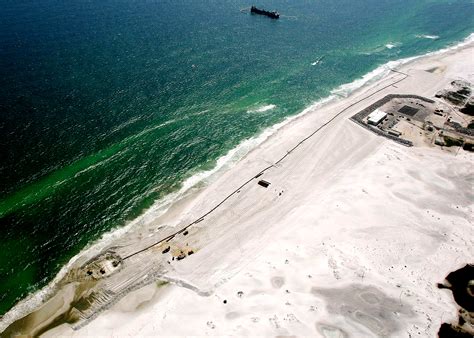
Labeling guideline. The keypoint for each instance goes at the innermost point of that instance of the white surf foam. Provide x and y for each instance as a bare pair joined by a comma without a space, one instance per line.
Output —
392,45
382,48
262,109
381,71
427,36
34,300
123,125
318,61
346,89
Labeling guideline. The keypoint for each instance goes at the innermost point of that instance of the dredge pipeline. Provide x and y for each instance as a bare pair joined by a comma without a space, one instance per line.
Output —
199,219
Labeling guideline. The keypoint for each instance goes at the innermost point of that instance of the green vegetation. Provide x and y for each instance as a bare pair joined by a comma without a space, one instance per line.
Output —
161,283
468,146
453,142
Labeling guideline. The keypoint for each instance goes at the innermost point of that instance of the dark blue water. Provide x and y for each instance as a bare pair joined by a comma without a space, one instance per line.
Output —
107,106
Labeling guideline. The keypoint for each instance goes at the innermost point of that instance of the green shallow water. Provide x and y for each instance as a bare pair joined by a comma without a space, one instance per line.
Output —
108,106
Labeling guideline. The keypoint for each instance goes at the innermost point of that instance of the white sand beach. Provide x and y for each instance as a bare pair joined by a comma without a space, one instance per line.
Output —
349,239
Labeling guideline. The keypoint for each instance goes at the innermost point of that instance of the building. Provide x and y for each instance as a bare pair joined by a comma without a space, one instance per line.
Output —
395,133
376,117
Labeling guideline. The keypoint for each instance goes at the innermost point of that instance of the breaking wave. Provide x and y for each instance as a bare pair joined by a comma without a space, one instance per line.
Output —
392,45
382,48
346,89
381,71
427,36
262,109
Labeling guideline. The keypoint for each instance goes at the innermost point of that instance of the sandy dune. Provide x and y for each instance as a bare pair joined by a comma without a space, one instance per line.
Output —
349,239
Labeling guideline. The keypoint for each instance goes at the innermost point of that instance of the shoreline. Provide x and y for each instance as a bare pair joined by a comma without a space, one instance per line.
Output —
275,136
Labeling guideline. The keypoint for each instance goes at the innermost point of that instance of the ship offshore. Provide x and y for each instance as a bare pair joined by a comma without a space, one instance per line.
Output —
272,14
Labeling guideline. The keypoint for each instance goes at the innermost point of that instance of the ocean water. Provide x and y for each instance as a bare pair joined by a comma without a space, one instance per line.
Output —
107,107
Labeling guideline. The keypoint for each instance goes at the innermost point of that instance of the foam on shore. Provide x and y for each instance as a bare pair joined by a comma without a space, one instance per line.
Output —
381,71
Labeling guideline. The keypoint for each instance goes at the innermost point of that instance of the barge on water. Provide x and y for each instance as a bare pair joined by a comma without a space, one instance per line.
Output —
273,14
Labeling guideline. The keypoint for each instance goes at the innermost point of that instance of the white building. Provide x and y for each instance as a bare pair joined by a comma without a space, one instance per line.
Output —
376,117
